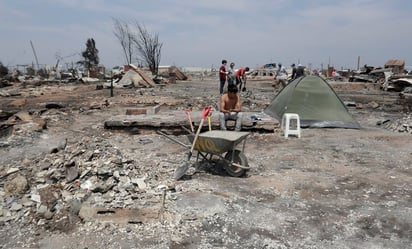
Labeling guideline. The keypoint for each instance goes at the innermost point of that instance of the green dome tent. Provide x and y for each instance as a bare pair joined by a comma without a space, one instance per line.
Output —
315,101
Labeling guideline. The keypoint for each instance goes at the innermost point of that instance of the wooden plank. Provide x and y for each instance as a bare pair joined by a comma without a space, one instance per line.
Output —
143,75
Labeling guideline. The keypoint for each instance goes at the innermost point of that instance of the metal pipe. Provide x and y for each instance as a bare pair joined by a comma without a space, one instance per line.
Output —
174,140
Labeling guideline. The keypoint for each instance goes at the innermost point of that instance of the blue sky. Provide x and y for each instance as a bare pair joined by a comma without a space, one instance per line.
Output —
202,33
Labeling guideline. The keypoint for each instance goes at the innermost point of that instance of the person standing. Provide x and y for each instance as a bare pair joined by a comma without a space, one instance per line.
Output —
222,75
231,108
281,75
293,72
231,74
300,71
241,77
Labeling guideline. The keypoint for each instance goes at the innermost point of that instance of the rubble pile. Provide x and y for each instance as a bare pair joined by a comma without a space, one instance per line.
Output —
67,182
50,191
403,124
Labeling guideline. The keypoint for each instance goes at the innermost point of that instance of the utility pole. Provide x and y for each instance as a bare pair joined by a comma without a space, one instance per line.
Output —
111,84
35,55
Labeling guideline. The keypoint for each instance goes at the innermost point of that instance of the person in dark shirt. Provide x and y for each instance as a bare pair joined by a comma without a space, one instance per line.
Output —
222,75
293,71
300,71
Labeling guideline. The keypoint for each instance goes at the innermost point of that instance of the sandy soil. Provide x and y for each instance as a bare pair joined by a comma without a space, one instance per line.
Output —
332,188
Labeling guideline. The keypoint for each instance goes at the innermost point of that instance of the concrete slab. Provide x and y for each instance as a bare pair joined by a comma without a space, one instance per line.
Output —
173,119
119,215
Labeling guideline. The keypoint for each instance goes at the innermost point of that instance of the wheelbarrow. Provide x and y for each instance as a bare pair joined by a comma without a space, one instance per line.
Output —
221,144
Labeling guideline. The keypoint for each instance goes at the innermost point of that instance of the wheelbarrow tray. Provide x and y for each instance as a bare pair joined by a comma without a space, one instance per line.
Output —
218,142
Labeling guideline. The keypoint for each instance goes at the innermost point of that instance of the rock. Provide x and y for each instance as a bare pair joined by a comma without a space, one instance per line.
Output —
27,128
61,145
103,187
4,94
373,105
104,172
87,185
48,215
63,221
42,124
72,172
95,106
359,106
12,170
44,212
16,184
26,202
75,206
26,162
116,160
18,103
116,175
16,207
49,195
24,116
36,198
41,210
139,182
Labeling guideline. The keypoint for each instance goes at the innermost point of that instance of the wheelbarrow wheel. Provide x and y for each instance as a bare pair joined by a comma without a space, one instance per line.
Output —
239,158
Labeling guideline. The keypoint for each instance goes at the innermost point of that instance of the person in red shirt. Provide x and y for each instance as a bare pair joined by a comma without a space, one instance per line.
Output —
222,75
241,77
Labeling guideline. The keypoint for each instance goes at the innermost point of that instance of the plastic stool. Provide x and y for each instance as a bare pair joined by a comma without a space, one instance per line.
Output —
286,124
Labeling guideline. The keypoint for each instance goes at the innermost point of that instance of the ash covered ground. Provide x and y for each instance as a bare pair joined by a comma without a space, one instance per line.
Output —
67,182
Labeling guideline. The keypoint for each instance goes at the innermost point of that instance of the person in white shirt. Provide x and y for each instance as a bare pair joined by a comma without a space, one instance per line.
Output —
281,75
231,74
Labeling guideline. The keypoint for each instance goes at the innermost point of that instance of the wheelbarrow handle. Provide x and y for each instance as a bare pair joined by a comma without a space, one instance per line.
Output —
187,112
173,139
206,111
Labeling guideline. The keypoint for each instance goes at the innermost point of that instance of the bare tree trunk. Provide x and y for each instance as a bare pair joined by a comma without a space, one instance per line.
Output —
125,37
149,48
146,45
